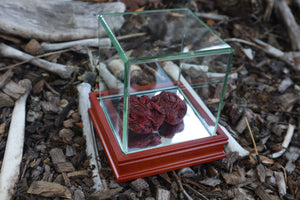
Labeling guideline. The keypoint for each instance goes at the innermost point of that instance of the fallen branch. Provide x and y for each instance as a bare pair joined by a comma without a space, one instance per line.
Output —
64,71
14,146
212,16
73,20
93,42
286,141
84,90
181,187
284,13
268,11
290,58
110,80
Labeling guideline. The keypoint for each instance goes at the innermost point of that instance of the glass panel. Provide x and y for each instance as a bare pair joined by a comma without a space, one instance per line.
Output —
165,78
161,34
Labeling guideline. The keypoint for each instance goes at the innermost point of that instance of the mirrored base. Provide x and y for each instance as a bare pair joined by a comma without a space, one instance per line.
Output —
157,160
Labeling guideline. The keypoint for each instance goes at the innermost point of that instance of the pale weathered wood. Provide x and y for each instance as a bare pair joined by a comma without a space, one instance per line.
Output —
285,14
10,168
4,78
48,189
65,167
64,71
13,90
5,100
57,155
54,20
92,42
91,150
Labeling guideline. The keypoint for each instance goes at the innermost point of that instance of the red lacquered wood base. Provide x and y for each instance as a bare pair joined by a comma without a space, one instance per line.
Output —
153,161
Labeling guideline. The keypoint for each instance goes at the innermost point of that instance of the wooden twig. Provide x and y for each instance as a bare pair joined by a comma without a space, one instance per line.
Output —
84,90
10,169
284,13
195,191
212,16
290,58
133,35
242,41
250,131
286,141
268,11
93,42
64,71
110,80
181,187
51,89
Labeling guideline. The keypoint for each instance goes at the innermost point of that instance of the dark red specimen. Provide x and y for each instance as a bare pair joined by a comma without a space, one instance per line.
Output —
174,108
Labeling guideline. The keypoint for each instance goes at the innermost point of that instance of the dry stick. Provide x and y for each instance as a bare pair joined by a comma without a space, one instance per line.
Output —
284,13
268,12
212,16
123,37
51,89
14,146
181,187
287,57
253,141
195,191
34,57
93,42
84,90
64,71
110,80
286,141
242,41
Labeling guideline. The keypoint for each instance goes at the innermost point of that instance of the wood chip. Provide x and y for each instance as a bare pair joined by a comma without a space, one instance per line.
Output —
235,177
13,90
66,134
4,78
66,179
261,172
259,191
57,155
32,47
2,129
38,87
211,181
105,194
48,189
78,174
5,100
162,194
280,183
65,167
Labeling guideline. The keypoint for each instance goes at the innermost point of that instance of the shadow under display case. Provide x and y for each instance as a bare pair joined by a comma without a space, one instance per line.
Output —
160,95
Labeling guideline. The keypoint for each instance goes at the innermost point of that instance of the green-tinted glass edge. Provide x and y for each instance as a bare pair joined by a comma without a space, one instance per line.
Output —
178,56
223,92
114,40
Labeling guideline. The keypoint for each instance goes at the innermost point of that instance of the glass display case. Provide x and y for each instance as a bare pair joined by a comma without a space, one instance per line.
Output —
161,89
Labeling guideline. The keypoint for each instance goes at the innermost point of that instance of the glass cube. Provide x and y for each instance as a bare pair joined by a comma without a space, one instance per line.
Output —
162,82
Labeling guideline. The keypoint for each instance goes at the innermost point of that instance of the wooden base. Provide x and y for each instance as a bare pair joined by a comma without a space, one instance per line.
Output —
157,160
